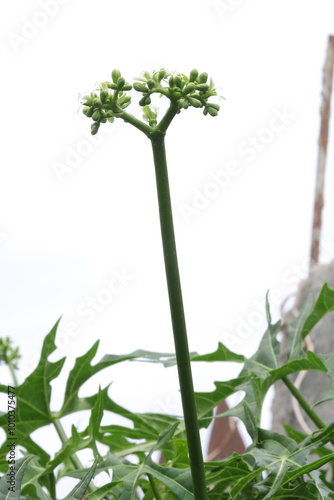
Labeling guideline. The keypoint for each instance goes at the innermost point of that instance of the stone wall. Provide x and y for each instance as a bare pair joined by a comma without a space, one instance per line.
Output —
314,385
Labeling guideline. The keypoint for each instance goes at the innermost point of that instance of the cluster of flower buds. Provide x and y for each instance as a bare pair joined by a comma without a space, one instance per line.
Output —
151,84
185,91
9,354
108,101
194,91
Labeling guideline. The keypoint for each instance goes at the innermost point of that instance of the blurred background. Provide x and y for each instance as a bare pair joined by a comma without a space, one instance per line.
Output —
79,227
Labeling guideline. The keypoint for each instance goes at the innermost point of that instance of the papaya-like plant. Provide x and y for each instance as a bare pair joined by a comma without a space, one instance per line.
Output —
274,466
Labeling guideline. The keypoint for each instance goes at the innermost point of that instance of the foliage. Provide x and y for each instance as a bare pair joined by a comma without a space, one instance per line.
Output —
274,466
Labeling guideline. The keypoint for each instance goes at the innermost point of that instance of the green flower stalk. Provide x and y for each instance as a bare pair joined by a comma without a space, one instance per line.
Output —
9,355
109,102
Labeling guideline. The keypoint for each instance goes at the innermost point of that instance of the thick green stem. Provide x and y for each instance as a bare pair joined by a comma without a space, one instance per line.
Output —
167,118
178,318
303,403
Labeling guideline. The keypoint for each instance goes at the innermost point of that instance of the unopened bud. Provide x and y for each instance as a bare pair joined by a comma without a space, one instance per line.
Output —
212,111
115,75
96,115
178,82
140,87
120,83
203,78
103,95
189,88
194,102
88,111
161,74
94,128
193,75
202,86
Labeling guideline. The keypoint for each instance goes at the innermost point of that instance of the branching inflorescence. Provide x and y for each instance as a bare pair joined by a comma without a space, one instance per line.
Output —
112,98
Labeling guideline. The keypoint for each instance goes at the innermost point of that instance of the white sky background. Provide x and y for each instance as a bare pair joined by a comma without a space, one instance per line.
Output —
62,239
